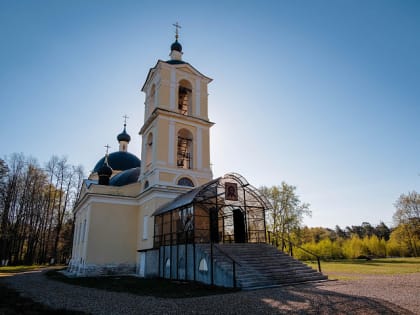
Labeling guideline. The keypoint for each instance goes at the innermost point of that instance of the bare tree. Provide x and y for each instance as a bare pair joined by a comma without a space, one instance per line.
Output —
35,209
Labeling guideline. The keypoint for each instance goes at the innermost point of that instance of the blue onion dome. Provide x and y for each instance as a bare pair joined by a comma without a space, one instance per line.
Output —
126,177
119,161
176,46
124,136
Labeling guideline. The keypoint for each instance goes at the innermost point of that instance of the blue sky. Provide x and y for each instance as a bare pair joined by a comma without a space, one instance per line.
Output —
324,95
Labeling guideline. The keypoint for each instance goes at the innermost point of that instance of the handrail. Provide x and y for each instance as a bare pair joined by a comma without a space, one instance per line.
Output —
318,258
226,254
234,262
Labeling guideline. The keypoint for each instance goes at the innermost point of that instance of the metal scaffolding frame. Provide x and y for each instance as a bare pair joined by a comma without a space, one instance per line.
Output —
224,210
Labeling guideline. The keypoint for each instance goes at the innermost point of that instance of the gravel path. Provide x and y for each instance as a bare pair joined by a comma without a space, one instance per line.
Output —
369,295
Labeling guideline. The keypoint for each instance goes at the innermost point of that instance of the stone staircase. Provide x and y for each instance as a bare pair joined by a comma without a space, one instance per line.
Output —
261,265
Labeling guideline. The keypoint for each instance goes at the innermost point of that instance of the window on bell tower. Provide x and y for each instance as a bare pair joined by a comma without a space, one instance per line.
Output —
184,98
184,149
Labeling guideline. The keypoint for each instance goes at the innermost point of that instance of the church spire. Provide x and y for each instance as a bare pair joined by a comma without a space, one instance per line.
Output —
105,172
124,138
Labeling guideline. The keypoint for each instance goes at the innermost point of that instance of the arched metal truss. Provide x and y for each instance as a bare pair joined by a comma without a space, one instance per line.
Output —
227,209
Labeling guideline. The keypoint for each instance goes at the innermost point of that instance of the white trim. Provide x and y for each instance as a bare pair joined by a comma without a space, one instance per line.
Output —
145,227
197,97
187,121
113,199
142,264
171,148
159,194
172,90
84,231
85,244
199,148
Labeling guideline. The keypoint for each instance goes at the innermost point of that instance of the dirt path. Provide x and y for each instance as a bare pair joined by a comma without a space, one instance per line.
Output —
374,295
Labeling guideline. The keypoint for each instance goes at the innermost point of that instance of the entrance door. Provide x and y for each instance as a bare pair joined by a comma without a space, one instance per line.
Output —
239,226
214,225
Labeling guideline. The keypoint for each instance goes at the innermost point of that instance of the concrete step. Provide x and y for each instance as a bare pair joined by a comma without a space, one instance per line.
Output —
262,265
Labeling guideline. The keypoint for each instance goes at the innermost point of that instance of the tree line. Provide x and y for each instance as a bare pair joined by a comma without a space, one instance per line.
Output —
36,221
36,218
286,230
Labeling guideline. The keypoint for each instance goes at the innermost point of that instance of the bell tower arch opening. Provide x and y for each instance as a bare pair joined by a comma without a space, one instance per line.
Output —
185,98
185,149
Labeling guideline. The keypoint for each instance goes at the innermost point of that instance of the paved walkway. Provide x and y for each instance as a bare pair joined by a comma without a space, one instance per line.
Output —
374,295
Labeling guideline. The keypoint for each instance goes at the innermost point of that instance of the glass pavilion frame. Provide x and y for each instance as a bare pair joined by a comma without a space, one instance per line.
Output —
225,210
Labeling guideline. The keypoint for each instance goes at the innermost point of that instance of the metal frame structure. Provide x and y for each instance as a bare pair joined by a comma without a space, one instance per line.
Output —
216,212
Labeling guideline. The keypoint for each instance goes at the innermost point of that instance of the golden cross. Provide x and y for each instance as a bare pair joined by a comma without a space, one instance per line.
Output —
107,148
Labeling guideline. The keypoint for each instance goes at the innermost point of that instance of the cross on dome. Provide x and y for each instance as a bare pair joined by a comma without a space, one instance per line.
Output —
107,148
177,27
125,119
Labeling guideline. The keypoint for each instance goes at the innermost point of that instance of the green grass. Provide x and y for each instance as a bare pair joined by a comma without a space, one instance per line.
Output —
18,269
356,268
152,287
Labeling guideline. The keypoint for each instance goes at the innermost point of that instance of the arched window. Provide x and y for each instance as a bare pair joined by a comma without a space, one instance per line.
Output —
203,265
184,149
184,97
184,181
149,149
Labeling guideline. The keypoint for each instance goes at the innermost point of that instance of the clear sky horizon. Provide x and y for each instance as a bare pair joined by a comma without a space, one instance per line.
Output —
323,95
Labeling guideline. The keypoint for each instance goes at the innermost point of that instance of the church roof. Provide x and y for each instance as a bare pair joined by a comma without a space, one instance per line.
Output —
126,177
119,161
179,63
216,189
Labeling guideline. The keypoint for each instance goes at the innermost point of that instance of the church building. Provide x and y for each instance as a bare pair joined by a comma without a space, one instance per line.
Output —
165,216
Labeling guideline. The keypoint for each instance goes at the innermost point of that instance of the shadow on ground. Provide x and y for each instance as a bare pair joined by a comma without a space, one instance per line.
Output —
299,299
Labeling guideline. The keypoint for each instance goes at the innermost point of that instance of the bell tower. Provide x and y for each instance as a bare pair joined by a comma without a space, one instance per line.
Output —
176,129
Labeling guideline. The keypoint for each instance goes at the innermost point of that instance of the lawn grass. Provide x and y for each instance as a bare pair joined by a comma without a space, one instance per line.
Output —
356,268
18,269
150,287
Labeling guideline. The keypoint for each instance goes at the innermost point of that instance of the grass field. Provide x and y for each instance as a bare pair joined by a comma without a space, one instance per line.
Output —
356,268
19,269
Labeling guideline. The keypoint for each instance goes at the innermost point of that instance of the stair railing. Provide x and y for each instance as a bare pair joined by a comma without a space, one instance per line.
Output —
272,237
233,261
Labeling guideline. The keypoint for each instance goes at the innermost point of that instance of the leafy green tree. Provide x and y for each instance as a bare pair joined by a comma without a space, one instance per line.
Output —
407,219
287,212
354,247
375,246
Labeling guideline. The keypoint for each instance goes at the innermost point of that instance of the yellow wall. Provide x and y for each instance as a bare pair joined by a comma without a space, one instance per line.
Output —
112,234
147,209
